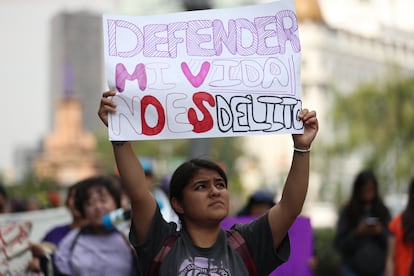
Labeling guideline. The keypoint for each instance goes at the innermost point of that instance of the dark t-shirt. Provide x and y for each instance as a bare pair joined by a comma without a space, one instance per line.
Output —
364,254
221,259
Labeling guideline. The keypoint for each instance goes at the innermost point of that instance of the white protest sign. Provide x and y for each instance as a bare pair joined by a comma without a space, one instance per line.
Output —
199,74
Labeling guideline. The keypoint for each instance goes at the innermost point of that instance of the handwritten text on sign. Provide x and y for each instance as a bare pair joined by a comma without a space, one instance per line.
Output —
223,72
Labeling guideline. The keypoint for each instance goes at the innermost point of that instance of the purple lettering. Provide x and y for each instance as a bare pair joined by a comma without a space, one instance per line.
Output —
153,41
220,36
196,39
172,39
246,31
287,31
264,35
112,37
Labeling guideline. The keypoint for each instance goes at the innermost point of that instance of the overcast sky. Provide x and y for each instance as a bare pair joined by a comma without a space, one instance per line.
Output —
24,70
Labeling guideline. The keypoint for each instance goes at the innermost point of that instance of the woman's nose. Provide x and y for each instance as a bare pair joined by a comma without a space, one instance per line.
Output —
214,190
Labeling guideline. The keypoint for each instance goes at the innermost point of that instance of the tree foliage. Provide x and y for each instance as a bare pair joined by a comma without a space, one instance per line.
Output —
225,150
376,120
31,186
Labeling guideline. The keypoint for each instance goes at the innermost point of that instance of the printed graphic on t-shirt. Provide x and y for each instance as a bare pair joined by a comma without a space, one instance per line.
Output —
202,267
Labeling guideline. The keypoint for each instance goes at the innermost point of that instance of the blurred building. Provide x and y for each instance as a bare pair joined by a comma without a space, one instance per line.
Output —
77,80
77,62
26,69
334,58
344,43
338,59
69,153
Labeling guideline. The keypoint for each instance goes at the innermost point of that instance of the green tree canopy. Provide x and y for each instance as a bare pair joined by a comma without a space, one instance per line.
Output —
376,120
225,150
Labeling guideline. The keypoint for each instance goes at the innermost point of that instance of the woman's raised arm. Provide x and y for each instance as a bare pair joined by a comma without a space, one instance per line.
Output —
284,213
133,177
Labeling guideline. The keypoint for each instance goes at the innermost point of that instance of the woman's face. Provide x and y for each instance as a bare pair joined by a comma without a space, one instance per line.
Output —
100,202
205,198
368,192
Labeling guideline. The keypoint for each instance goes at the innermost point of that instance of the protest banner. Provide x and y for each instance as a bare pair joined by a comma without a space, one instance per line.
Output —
15,253
200,74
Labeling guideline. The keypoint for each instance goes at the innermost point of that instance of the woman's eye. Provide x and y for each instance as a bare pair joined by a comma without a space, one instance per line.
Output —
221,185
200,186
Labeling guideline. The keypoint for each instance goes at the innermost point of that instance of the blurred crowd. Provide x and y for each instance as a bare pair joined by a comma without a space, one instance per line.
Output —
368,239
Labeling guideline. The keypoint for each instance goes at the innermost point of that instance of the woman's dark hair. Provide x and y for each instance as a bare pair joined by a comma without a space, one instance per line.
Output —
407,216
361,179
82,193
186,171
70,193
3,191
355,205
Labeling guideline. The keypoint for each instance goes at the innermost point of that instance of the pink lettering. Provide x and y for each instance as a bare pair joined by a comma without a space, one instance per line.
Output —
198,79
121,75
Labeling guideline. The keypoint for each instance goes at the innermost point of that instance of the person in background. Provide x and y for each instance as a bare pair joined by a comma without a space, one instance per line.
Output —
4,200
125,203
56,234
32,203
17,204
43,251
199,195
159,194
400,259
361,231
53,199
258,203
92,249
121,225
165,184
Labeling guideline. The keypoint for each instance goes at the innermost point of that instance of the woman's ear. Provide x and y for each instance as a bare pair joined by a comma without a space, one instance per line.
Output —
177,206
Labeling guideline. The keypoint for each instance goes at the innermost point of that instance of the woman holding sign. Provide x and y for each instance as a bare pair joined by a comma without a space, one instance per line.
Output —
199,195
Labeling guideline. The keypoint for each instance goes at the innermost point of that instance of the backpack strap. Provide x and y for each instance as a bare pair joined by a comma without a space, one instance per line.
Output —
75,240
238,243
165,249
134,255
71,248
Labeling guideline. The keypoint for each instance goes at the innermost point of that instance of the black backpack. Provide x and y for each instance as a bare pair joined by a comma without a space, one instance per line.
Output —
235,239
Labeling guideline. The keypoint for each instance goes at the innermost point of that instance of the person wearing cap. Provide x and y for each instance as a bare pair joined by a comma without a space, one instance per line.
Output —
159,194
259,202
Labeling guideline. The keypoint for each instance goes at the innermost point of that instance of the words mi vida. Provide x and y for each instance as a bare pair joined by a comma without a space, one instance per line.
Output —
246,81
